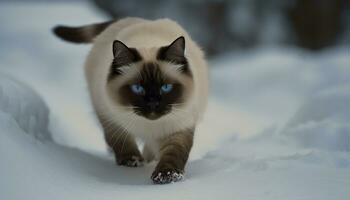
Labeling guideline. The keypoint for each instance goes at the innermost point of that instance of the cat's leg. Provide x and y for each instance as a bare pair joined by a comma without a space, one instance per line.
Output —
174,152
123,145
125,149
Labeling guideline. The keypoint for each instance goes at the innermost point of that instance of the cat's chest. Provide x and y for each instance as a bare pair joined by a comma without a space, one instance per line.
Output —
146,129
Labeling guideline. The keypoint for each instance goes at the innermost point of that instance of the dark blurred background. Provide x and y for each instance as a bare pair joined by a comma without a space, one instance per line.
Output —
223,25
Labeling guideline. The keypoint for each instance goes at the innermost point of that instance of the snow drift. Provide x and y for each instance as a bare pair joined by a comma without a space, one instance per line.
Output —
23,105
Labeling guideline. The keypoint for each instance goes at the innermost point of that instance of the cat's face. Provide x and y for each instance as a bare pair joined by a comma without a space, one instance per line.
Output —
150,87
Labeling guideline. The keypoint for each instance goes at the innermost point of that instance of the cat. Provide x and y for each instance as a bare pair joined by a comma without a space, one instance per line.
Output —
147,79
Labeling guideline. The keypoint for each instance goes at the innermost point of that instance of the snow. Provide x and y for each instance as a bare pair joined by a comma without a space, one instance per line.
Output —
277,125
171,177
32,121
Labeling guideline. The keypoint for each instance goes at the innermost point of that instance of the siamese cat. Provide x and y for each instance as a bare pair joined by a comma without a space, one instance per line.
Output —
148,80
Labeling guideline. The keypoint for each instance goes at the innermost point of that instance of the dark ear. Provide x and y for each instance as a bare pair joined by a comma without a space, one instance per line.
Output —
80,34
124,55
175,52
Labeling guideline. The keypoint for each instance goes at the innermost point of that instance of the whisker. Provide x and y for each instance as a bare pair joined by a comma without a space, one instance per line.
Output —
125,130
127,133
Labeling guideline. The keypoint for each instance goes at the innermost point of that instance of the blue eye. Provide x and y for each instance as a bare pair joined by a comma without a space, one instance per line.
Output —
166,88
137,89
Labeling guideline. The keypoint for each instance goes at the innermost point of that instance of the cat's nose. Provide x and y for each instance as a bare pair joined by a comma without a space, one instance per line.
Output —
153,104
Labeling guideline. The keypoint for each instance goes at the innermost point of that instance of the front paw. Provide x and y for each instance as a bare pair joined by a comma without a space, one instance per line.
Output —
165,176
131,161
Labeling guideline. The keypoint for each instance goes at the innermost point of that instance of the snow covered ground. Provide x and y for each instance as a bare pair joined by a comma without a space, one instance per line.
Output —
277,125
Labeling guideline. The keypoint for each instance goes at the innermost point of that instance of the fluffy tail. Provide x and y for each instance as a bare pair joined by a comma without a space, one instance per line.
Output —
80,34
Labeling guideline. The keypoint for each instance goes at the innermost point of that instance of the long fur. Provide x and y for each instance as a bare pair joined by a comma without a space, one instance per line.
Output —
147,36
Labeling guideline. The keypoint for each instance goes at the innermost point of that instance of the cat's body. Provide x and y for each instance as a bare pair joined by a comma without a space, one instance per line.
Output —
147,55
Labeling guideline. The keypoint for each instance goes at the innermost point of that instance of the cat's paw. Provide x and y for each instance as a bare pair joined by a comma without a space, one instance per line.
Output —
131,161
165,176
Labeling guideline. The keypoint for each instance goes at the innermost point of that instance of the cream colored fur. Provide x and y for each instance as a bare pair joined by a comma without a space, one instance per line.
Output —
147,36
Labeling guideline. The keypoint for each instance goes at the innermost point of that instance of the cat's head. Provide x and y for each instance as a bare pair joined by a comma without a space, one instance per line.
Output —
151,82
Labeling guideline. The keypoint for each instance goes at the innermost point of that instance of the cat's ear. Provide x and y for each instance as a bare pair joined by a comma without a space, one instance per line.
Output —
175,52
80,34
123,55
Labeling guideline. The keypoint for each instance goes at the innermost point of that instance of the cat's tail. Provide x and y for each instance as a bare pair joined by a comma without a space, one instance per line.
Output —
80,34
